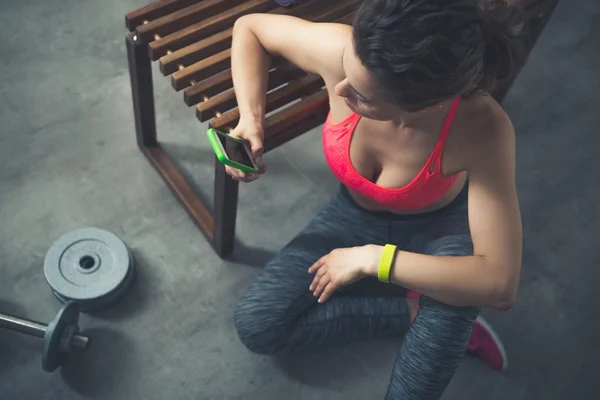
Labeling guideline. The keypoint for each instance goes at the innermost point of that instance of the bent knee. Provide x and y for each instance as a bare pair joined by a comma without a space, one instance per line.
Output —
447,317
258,329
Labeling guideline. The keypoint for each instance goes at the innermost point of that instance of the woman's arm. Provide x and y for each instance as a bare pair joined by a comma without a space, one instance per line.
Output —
491,276
249,70
258,37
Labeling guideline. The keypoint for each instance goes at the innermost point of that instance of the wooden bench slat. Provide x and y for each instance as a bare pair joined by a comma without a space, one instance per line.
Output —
195,52
189,45
154,10
296,120
336,13
161,47
216,84
203,30
296,130
226,100
346,19
201,70
216,63
208,87
182,18
295,113
303,86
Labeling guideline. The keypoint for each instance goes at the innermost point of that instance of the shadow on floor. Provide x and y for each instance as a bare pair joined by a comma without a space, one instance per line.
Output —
249,256
17,348
11,308
94,372
334,367
189,154
193,155
136,300
189,158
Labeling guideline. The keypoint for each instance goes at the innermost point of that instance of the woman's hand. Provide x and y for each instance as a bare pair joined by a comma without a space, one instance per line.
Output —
252,133
342,267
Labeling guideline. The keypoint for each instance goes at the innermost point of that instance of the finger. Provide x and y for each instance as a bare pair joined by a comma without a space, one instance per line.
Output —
236,133
315,267
234,173
256,145
328,292
322,271
314,283
323,283
236,177
318,276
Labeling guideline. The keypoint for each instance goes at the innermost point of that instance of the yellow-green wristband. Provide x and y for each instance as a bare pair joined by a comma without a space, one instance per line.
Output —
385,263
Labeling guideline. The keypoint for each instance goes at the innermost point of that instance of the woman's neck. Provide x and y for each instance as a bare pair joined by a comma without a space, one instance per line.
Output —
422,120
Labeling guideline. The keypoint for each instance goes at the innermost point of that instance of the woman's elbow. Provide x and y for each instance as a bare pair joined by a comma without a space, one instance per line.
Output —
505,304
242,23
506,295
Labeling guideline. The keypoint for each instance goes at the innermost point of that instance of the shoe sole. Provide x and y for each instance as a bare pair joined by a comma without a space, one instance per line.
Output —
497,340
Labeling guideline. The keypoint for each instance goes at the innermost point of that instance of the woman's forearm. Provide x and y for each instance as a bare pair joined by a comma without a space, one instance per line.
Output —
250,71
459,281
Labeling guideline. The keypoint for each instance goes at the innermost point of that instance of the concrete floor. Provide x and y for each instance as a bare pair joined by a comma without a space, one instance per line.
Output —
68,159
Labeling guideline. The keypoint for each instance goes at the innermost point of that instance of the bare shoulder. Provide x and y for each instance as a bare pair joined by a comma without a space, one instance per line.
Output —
340,33
489,135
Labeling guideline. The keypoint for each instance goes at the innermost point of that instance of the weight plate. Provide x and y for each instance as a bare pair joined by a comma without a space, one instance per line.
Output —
104,301
66,317
87,264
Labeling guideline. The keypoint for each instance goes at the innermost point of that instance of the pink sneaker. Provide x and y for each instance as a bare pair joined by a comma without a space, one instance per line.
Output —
486,345
411,294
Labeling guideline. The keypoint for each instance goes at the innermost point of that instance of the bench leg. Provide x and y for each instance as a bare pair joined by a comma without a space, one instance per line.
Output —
218,226
224,210
142,92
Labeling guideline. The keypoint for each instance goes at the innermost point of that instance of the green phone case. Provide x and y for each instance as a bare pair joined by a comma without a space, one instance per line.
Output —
215,142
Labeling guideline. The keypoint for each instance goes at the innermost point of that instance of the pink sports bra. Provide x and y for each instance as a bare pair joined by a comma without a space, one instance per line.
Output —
427,187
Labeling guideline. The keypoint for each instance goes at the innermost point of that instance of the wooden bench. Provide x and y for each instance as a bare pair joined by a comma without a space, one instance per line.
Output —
191,40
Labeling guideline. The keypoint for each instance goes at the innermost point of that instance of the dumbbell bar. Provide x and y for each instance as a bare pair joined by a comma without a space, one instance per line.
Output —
37,329
60,336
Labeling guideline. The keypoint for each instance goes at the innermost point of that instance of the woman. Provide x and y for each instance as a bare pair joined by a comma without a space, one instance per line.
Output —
410,119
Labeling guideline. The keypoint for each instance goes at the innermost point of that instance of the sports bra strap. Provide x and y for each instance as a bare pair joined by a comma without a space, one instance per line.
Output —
448,121
436,156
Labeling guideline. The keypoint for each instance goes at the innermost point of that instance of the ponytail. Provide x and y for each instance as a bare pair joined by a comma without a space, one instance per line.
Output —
503,55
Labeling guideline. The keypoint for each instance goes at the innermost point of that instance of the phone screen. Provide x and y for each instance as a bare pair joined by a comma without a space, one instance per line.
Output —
236,151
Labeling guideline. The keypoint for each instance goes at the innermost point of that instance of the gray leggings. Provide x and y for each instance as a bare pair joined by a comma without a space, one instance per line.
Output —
278,314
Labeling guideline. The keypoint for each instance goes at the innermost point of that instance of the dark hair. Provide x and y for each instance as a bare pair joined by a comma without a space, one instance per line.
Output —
427,51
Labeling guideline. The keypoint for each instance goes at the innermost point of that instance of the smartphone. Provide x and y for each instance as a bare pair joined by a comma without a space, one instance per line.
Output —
232,151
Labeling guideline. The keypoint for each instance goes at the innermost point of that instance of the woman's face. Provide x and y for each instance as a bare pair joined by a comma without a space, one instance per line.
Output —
363,94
